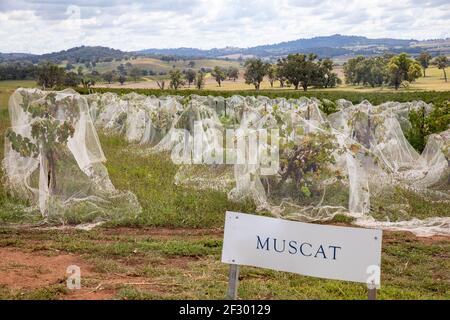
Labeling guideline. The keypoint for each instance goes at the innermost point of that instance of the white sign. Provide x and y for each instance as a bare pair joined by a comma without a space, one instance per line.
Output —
323,251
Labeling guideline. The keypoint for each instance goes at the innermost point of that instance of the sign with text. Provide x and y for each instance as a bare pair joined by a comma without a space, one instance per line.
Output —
331,252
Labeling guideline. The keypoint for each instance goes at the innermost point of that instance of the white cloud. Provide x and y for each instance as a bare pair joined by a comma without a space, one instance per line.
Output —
39,26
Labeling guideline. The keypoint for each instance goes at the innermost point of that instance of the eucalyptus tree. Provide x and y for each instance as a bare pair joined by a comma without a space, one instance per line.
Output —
200,80
424,59
255,71
403,68
300,69
190,76
272,74
233,73
442,62
176,79
219,74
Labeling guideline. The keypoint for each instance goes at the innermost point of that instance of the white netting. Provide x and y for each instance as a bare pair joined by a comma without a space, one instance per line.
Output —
54,159
355,161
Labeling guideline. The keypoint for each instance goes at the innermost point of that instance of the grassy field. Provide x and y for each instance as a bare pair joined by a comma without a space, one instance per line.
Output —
172,250
433,81
158,65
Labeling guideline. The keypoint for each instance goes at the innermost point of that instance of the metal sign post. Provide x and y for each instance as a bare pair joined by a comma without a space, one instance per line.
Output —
372,294
233,282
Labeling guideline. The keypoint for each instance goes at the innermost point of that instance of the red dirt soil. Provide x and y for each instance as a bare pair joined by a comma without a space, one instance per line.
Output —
21,270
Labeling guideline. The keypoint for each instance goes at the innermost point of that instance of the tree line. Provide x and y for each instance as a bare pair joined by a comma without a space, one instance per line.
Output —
394,70
295,70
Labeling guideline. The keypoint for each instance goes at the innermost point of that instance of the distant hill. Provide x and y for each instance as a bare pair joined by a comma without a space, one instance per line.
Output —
335,46
74,55
327,46
15,56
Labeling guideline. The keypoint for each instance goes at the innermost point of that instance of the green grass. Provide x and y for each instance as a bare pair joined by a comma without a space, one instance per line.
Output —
151,178
186,266
50,293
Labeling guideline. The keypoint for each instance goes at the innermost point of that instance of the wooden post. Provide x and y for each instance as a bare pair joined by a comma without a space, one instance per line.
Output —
372,294
233,282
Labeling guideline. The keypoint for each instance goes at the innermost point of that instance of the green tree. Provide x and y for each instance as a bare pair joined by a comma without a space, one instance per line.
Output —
279,74
442,62
233,73
424,59
50,133
403,68
191,64
176,79
190,76
49,75
300,69
122,78
378,74
351,68
272,74
366,71
255,70
135,72
121,69
71,79
200,80
80,70
326,78
219,74
108,76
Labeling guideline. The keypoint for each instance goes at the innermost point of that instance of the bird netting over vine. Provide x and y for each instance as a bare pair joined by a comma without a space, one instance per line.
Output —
290,158
53,158
355,162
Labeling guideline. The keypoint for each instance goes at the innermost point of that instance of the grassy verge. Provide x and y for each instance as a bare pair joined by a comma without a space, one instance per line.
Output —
180,264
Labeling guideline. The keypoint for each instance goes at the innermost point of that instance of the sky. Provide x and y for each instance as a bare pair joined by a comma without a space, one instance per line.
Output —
41,26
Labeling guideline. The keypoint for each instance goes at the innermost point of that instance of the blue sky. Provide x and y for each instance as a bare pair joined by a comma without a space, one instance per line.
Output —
39,26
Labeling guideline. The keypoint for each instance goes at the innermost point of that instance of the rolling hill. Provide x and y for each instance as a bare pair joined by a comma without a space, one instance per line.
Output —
80,54
334,46
327,46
